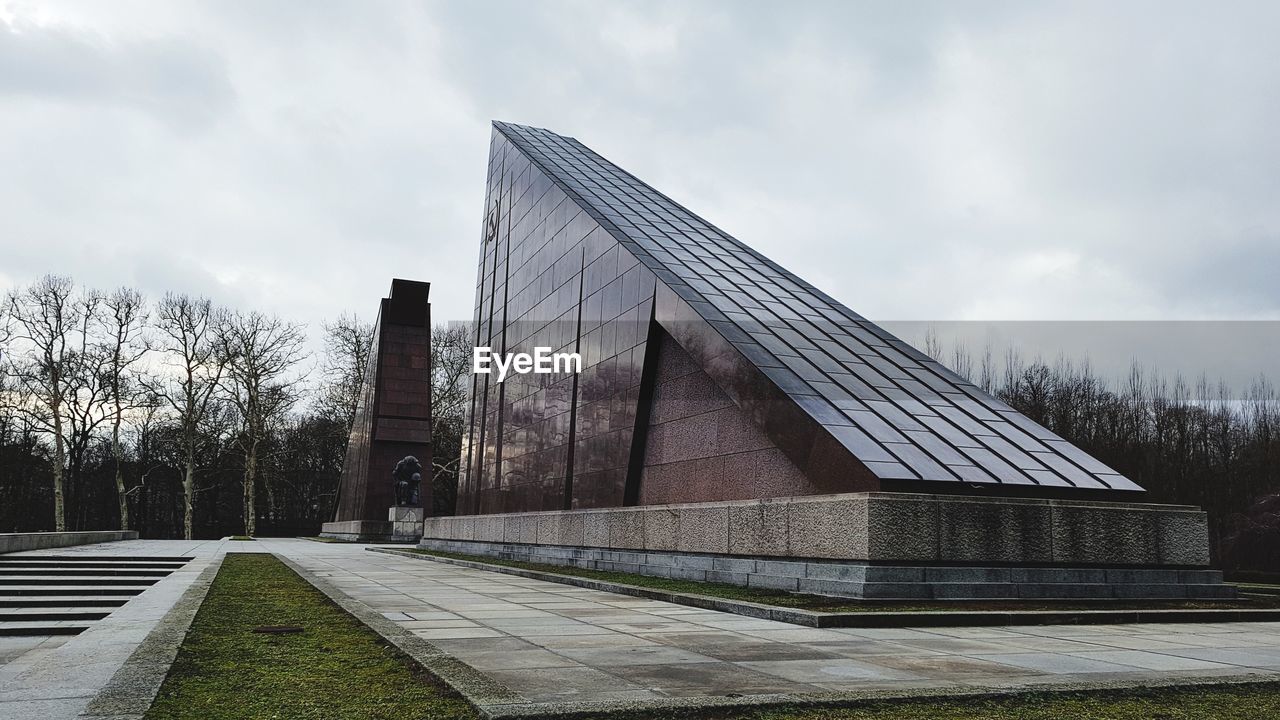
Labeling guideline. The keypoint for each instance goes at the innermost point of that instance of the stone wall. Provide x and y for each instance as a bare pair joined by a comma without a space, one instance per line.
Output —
873,527
17,542
861,580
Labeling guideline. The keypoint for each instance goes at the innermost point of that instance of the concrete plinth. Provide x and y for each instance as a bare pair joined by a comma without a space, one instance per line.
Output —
406,523
872,544
403,525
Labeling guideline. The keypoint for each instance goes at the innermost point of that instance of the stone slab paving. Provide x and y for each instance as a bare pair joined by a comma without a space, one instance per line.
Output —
55,678
553,643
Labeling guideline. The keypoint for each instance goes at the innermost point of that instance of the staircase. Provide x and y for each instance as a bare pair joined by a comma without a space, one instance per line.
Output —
48,595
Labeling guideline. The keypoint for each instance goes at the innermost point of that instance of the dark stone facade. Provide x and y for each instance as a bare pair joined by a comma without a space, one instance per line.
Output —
394,416
709,372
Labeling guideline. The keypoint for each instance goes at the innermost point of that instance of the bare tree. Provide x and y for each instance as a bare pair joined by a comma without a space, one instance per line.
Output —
124,321
189,345
262,353
347,344
451,347
45,316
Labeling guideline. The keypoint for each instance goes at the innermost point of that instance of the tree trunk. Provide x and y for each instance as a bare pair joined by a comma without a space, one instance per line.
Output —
188,493
59,464
250,473
118,455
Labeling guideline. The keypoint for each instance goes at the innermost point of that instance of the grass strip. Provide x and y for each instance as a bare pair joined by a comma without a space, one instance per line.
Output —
335,668
821,603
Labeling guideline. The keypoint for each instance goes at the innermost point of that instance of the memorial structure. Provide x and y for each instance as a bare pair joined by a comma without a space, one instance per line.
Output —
391,437
733,423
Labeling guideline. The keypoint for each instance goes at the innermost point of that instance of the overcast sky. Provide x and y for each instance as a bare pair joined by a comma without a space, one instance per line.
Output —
917,161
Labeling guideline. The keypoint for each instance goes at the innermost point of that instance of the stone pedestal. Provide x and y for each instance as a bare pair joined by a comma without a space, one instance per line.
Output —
406,523
403,525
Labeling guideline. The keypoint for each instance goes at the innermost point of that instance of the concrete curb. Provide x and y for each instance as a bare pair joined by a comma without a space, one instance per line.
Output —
477,688
643,708
132,690
810,618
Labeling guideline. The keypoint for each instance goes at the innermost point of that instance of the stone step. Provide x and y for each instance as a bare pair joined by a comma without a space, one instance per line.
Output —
40,628
96,558
47,601
1027,591
93,572
81,581
64,591
132,565
53,614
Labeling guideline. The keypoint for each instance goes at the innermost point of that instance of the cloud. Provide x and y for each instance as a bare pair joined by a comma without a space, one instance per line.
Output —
170,79
926,160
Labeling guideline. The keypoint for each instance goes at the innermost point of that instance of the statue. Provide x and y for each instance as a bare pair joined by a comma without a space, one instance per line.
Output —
407,478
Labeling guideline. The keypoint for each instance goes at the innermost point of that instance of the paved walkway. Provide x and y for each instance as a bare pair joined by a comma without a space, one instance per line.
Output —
556,643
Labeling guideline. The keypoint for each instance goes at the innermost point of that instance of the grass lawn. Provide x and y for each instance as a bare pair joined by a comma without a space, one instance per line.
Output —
1245,702
821,603
336,668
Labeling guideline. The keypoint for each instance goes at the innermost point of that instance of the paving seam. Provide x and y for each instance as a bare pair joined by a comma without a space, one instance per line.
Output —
131,691
811,618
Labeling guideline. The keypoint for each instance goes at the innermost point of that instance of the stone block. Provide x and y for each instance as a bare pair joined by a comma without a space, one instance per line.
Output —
1199,577
570,530
595,528
994,530
895,574
545,528
1183,538
1143,576
1206,592
626,529
834,588
661,528
684,573
734,565
656,570
903,591
726,577
663,559
845,572
704,529
780,567
1161,590
1038,591
902,528
966,575
694,562
528,529
973,591
400,513
1094,534
1057,575
832,526
759,528
773,582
